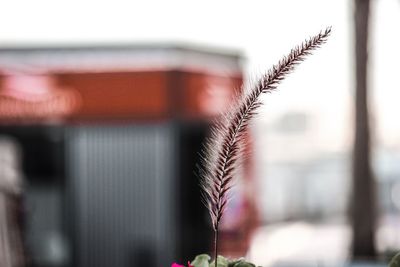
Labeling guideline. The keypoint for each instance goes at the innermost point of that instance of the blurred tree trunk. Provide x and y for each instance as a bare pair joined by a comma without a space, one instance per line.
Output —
363,209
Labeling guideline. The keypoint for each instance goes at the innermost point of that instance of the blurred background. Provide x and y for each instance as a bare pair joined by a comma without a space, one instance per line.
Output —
104,106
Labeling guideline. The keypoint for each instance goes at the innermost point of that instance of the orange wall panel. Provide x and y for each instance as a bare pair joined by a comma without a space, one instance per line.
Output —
119,95
145,95
207,95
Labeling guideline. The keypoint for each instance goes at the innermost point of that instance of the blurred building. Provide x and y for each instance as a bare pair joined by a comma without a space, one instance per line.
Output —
110,139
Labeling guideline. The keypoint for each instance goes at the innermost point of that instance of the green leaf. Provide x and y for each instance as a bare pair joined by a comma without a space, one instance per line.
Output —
244,264
240,263
222,262
395,262
201,261
233,262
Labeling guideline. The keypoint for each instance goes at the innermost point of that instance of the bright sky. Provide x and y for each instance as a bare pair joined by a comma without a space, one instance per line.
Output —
263,30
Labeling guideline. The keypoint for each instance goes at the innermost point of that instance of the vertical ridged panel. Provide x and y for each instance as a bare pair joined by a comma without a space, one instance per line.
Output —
122,181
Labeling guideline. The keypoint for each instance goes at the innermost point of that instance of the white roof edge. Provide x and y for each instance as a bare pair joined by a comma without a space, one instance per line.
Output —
119,58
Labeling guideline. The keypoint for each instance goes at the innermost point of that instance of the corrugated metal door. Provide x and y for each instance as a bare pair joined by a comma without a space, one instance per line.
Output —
122,188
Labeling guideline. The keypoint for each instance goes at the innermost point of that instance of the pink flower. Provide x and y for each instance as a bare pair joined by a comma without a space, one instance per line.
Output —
178,265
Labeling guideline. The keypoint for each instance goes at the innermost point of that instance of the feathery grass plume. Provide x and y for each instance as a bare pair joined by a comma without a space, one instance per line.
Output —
221,152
